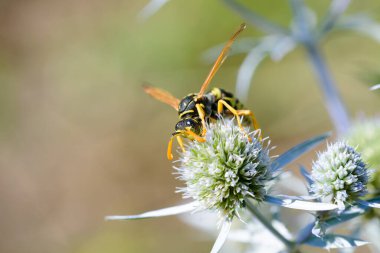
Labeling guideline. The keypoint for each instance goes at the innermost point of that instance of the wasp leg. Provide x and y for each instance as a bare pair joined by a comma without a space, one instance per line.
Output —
254,121
180,142
233,111
169,151
194,135
201,114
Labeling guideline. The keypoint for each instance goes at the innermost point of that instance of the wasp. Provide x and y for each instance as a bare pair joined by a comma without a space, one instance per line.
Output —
197,109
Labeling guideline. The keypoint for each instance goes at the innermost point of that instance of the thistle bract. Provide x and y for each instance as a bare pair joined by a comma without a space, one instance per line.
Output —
230,166
339,174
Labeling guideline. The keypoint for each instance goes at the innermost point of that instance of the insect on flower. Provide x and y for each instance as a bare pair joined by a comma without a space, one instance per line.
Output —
197,109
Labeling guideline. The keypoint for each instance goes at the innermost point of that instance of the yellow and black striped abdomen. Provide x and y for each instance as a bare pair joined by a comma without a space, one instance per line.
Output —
226,96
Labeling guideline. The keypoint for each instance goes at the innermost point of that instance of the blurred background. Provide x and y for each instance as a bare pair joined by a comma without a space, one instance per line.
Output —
80,140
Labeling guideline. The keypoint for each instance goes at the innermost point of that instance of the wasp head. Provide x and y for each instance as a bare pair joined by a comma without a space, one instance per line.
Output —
189,124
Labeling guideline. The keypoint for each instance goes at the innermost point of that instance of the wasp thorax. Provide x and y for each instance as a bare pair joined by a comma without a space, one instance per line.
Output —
187,103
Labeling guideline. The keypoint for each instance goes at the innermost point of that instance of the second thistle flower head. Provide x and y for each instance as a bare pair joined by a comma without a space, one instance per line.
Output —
366,135
340,174
221,172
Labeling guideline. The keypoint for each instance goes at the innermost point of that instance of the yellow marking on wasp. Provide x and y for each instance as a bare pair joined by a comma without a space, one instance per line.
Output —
202,115
185,112
217,93
231,109
232,101
194,135
180,142
169,151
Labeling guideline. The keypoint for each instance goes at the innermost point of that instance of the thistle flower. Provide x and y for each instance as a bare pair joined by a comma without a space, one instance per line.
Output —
366,136
226,169
339,174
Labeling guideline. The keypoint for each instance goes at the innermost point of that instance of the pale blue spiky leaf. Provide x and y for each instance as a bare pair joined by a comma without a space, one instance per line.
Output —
300,204
277,46
306,175
336,9
361,23
304,20
254,18
348,214
375,87
296,187
157,213
371,230
226,226
242,45
304,233
303,198
247,70
373,204
151,8
332,241
295,152
282,47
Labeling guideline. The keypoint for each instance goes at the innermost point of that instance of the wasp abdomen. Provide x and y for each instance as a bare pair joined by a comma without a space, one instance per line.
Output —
221,94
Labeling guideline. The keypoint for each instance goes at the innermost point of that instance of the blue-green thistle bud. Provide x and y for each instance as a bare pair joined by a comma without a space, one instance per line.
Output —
226,169
339,174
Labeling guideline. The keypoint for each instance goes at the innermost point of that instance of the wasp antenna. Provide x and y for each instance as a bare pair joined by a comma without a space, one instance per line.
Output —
219,61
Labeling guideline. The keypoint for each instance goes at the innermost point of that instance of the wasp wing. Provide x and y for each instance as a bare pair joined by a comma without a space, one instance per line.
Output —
162,96
219,61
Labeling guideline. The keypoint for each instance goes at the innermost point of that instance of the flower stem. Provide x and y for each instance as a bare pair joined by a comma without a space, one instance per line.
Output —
306,35
334,104
255,19
289,244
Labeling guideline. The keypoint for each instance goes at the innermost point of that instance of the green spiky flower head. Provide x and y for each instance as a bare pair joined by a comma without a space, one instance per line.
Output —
366,136
339,174
228,167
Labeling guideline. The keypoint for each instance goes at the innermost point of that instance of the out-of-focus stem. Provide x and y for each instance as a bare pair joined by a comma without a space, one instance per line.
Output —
268,225
308,38
337,8
255,19
333,102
